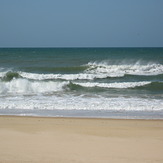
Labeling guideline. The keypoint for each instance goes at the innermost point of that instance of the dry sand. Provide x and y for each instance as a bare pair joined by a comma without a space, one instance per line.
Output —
75,140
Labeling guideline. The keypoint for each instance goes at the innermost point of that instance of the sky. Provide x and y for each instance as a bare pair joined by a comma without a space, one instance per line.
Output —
81,23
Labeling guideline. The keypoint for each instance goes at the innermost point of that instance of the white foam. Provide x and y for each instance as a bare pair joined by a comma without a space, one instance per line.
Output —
24,86
102,70
70,102
2,74
116,70
114,85
80,76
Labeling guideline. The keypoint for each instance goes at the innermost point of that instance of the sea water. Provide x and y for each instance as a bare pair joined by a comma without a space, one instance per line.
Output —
82,82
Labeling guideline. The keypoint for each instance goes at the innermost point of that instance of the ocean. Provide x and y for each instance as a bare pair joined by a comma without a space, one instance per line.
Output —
82,82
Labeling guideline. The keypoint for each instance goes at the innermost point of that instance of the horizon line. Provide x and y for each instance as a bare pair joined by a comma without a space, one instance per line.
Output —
30,47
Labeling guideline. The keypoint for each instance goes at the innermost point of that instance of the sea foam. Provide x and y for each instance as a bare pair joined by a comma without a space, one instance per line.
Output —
114,85
69,102
24,86
102,70
98,70
116,70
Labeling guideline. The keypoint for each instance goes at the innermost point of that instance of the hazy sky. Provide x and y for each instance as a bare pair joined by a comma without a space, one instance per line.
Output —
81,23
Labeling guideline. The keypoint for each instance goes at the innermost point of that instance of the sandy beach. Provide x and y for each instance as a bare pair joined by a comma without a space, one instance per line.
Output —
75,140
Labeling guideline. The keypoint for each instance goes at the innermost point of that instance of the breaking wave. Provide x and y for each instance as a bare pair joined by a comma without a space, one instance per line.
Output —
114,85
101,71
91,71
116,70
24,86
10,75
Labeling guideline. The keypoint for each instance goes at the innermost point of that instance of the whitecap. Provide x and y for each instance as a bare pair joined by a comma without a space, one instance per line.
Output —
114,85
24,86
116,70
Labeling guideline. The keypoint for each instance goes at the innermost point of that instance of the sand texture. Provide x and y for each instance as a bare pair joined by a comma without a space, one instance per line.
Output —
75,140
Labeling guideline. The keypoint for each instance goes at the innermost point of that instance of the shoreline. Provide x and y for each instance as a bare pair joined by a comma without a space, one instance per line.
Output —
106,114
82,117
80,140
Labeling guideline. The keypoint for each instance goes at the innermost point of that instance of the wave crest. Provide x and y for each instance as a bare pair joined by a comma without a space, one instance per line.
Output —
27,87
91,71
10,75
116,70
24,86
114,85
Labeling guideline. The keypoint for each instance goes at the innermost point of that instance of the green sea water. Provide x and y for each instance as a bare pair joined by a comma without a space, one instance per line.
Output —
98,82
